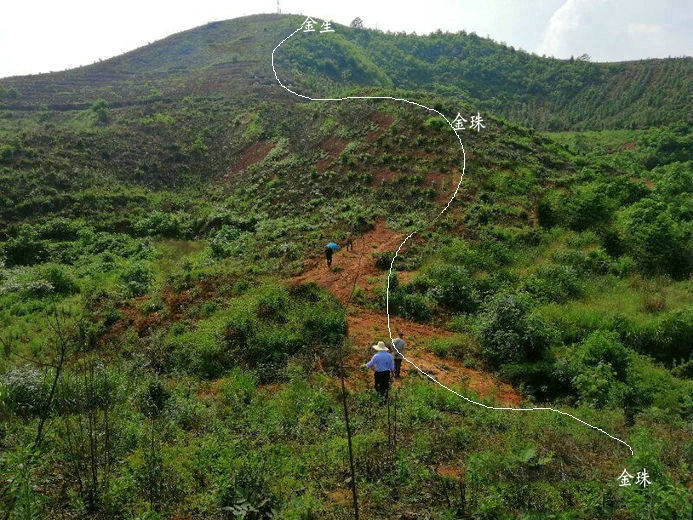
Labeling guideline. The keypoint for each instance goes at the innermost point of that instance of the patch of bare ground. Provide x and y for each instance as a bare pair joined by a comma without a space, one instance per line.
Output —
366,326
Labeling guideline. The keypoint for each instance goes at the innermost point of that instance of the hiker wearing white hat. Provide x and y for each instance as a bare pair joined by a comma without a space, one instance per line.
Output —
383,367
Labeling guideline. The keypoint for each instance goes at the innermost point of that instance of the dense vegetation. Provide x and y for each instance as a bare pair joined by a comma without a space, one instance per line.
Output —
158,362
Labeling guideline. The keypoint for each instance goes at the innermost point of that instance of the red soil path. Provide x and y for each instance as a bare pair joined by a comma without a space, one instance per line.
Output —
355,268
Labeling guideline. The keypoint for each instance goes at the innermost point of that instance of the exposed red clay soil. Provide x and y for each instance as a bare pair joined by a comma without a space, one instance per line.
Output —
451,471
384,121
366,326
333,146
254,153
144,322
384,176
443,183
347,266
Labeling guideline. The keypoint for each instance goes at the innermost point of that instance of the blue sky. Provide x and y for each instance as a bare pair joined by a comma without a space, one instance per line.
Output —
43,36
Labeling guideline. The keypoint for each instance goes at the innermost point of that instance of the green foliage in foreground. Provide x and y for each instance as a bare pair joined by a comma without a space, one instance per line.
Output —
161,446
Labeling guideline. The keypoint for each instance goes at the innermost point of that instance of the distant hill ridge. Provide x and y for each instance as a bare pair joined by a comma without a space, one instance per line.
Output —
231,59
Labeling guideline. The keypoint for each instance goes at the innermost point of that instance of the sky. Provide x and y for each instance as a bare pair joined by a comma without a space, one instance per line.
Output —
52,35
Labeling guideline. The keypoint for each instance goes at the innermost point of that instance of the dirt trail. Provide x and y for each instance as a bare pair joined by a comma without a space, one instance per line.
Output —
348,266
367,326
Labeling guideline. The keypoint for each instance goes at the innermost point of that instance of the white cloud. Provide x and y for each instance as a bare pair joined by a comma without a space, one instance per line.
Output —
643,29
616,30
563,26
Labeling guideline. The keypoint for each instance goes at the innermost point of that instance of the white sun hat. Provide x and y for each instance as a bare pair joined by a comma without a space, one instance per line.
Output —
380,346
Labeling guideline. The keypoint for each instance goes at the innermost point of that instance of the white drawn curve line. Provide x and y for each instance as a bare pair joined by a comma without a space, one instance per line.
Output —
392,263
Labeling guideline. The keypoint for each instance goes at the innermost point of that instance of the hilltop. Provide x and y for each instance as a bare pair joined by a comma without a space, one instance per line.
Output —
229,59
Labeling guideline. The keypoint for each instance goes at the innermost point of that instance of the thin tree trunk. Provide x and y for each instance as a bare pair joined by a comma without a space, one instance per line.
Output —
351,452
358,273
45,408
389,428
463,500
394,436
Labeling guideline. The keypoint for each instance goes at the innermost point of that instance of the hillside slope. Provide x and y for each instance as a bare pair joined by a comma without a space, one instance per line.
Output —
172,338
231,59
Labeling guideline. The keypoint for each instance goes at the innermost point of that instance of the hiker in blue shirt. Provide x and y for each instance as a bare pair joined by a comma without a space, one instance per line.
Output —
383,367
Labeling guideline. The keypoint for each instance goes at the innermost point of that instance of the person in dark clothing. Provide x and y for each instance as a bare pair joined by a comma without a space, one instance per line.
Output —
383,367
398,346
328,256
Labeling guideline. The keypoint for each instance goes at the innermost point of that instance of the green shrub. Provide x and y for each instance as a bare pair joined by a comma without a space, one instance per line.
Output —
23,390
588,207
548,212
7,152
263,328
60,229
597,369
25,249
153,397
414,306
136,279
469,256
41,281
450,286
655,240
672,339
247,495
383,260
160,223
238,388
554,283
326,328
459,346
273,304
228,241
597,386
59,279
675,179
100,110
595,261
201,350
507,331
436,123
536,378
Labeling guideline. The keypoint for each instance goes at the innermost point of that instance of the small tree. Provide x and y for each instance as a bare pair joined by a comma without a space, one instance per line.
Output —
100,110
654,239
508,332
356,23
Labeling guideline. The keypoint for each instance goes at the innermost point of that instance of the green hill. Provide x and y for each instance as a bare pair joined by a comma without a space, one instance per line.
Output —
231,57
172,339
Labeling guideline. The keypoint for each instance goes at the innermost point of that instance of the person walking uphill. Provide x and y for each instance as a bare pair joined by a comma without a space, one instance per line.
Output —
383,367
398,346
329,251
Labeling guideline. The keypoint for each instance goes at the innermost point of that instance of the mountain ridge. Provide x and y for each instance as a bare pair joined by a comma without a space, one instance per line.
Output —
231,58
